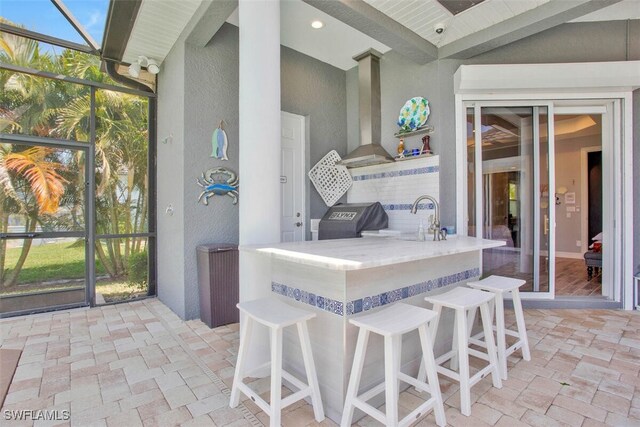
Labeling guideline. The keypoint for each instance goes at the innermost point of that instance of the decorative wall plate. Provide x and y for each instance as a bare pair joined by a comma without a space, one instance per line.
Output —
414,114
331,180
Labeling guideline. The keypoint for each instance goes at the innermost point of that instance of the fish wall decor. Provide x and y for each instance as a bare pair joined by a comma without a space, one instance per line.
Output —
219,143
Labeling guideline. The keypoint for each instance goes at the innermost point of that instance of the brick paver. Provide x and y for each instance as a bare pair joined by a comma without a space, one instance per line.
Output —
139,364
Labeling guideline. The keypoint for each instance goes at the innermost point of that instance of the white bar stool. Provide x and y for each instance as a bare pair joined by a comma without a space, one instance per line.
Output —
392,323
500,286
276,315
462,300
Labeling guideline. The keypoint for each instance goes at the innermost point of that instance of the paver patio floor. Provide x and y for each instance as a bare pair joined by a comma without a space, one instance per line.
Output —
138,364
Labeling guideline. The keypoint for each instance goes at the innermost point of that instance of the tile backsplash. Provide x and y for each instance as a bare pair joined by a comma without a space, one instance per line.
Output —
396,186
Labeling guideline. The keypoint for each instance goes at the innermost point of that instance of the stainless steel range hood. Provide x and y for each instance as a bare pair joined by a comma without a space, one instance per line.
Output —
370,152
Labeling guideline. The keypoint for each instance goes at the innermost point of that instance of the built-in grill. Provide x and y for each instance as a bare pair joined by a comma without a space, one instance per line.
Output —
350,219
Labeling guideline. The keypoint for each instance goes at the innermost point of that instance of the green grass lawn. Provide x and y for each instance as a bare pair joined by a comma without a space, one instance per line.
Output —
51,261
63,261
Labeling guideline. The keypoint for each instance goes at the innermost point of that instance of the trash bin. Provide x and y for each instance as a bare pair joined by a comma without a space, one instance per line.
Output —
218,283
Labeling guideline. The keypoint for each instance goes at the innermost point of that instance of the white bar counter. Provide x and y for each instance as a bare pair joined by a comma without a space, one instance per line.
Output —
338,279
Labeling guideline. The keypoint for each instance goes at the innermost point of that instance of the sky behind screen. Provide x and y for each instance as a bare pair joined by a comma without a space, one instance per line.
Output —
42,16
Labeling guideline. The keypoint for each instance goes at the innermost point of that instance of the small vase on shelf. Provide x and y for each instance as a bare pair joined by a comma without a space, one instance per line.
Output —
400,149
426,149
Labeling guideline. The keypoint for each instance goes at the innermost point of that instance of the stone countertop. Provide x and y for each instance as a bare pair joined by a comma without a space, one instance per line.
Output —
362,253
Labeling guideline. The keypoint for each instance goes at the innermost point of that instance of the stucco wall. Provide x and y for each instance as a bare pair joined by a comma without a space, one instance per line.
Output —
211,95
170,181
191,106
317,91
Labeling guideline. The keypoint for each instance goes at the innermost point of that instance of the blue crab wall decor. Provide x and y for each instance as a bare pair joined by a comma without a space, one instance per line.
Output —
218,182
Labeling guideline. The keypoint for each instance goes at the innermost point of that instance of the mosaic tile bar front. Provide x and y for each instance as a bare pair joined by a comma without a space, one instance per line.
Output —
372,301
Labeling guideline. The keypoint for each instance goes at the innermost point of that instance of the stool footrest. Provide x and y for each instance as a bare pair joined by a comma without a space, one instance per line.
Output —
417,413
515,347
479,375
304,391
360,402
477,341
293,398
293,380
370,410
511,333
368,395
446,356
414,382
478,354
255,397
448,373
509,351
456,376
477,338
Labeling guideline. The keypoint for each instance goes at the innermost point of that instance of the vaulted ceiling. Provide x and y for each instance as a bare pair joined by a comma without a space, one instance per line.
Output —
405,26
421,16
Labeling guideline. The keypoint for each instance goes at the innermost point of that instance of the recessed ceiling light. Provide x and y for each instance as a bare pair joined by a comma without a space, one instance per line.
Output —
317,24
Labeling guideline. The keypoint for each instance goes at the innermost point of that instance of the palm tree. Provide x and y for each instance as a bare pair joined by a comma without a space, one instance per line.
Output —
30,182
33,105
121,150
27,101
36,168
34,165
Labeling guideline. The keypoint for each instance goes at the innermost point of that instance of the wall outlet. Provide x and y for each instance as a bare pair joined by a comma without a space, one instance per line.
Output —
579,243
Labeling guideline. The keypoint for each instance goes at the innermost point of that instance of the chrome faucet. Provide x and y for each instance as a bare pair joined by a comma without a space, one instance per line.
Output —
434,227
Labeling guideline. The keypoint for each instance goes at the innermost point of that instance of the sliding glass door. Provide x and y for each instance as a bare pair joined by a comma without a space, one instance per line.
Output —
511,193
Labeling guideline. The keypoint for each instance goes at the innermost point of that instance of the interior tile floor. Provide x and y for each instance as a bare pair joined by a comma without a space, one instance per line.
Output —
138,364
572,279
571,274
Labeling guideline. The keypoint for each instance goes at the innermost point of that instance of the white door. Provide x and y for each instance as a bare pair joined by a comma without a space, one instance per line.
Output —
292,178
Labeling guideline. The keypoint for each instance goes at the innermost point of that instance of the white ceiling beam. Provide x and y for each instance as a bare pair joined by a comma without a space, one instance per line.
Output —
211,21
534,21
370,21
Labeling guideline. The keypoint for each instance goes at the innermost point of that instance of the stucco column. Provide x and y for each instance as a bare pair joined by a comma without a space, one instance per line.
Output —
259,147
259,121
